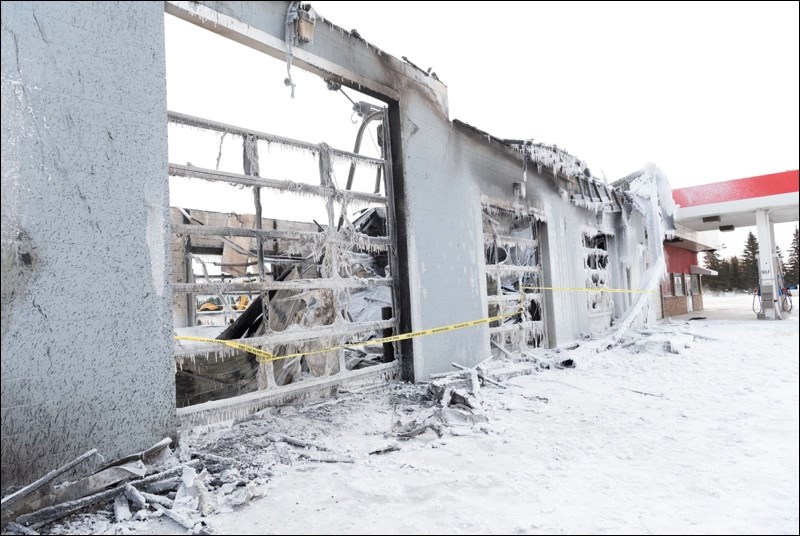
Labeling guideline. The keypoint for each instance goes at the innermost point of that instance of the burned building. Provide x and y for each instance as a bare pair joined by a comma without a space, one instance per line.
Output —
101,274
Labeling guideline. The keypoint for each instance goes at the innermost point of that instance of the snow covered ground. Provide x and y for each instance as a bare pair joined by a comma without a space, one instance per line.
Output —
689,427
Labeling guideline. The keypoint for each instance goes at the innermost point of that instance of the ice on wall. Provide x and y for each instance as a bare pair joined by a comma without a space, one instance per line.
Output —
652,184
550,156
650,193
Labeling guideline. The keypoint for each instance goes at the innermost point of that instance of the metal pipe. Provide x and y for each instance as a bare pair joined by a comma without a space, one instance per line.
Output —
359,136
372,116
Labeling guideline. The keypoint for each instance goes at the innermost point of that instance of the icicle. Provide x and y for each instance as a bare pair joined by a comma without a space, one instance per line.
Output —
219,154
340,158
291,39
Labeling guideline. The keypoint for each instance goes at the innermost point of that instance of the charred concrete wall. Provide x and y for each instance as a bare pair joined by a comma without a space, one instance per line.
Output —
86,320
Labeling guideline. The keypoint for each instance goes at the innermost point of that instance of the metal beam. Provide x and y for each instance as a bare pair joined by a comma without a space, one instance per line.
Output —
178,170
521,326
241,406
286,337
208,124
294,284
356,240
350,50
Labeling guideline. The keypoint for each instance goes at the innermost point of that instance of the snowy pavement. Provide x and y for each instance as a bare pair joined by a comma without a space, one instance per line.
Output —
690,427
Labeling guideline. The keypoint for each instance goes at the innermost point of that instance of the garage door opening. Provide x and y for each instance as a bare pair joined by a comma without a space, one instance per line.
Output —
283,232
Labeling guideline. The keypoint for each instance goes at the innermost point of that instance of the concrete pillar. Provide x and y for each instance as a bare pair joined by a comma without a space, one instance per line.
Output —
766,267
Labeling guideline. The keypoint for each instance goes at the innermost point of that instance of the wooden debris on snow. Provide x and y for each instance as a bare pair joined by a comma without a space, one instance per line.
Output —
163,486
193,487
283,453
275,438
96,488
122,511
311,451
16,528
415,428
213,458
314,457
148,456
10,500
87,486
135,497
551,363
385,450
442,392
51,513
157,499
453,416
181,519
480,374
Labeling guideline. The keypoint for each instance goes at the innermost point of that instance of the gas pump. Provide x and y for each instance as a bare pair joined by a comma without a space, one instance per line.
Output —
784,294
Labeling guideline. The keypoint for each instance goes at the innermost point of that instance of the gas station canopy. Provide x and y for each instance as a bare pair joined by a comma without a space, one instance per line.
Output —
729,204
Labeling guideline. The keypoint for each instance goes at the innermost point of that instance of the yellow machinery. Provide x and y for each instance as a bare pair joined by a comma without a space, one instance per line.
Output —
215,304
241,303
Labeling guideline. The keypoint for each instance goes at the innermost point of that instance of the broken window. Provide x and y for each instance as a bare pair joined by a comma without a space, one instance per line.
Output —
513,278
595,261
294,288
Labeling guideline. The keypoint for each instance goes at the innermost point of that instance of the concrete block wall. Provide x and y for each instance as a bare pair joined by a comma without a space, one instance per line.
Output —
86,319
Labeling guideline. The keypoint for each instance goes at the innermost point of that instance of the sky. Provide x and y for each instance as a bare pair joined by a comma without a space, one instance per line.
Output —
687,428
706,91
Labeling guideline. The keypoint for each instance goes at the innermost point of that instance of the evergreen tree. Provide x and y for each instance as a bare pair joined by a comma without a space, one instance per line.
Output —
781,264
713,262
735,279
749,264
793,266
724,277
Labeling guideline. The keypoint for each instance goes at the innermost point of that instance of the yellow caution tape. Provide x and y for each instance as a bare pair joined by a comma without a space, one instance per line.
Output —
264,356
581,289
233,344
